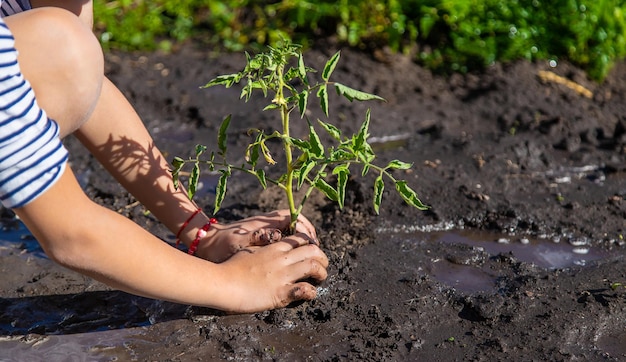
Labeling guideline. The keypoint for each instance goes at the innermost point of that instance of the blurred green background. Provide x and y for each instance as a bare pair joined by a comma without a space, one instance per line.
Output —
446,36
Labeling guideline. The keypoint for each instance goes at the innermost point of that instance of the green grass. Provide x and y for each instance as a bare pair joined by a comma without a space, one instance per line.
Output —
448,36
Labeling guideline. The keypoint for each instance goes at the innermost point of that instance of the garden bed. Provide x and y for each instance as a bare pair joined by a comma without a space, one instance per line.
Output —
525,154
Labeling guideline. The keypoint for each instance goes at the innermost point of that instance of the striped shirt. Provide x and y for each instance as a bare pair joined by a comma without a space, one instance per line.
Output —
32,157
10,7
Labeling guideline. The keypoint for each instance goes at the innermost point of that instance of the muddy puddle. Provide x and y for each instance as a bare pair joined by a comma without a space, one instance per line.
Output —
112,345
466,254
614,344
467,276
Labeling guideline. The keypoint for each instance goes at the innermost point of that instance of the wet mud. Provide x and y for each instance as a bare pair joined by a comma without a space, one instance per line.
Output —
520,256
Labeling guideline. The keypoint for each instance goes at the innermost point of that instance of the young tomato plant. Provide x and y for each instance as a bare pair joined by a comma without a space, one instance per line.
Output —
308,163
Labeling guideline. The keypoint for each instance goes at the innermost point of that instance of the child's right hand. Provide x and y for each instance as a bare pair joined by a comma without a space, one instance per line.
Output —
259,278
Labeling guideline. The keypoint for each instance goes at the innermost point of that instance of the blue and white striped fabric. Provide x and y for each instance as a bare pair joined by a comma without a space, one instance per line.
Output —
32,157
10,7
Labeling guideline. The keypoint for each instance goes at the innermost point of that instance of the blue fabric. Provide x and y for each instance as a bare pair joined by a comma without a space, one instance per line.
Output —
10,7
32,157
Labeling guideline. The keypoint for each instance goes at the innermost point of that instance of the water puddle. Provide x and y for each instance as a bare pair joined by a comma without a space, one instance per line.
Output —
552,253
390,142
470,277
464,278
594,173
613,344
464,254
15,236
110,345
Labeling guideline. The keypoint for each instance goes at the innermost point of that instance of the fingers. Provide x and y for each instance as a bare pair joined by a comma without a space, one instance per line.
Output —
310,268
302,226
301,254
306,227
265,236
300,291
303,261
298,240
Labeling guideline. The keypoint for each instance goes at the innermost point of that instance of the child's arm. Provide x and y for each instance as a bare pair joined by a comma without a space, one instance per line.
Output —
93,240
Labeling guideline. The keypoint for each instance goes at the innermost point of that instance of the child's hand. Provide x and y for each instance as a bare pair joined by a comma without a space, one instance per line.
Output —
269,277
224,240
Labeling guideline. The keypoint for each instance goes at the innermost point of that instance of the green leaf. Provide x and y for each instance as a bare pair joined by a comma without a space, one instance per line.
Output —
220,190
333,131
271,106
361,137
300,144
246,91
193,181
176,179
177,164
399,165
409,196
353,94
252,154
200,150
267,154
304,171
289,76
302,69
260,174
340,155
342,173
322,94
291,100
379,187
226,80
303,99
212,160
256,62
330,66
328,190
259,84
366,168
221,136
316,147
366,154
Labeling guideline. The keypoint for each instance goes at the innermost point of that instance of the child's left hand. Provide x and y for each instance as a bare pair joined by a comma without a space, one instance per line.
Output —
224,240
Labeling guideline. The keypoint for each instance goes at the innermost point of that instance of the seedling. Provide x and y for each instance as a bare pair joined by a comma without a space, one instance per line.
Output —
308,163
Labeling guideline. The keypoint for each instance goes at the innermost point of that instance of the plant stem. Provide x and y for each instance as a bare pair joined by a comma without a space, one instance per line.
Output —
284,114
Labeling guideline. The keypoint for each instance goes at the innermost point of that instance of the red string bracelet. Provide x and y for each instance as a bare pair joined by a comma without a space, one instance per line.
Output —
201,233
185,225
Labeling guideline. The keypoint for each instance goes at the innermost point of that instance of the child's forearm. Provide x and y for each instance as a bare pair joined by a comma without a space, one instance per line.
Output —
108,247
116,136
93,240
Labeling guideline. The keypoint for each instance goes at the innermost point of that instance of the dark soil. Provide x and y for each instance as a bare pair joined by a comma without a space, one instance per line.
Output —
505,155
